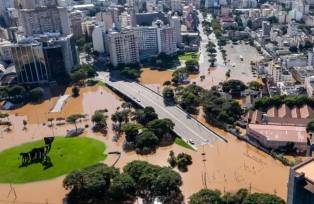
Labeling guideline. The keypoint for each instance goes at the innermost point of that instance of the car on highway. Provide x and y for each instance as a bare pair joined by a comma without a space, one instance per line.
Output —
191,141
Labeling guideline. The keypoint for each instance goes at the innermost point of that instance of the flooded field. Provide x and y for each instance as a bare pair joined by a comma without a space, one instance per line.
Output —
225,166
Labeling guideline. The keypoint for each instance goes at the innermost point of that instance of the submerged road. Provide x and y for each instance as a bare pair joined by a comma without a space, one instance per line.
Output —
187,128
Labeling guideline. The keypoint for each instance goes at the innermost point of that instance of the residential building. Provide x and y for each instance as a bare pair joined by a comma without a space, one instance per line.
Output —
122,47
175,23
88,27
166,38
98,37
44,20
176,5
4,5
125,20
76,19
147,40
106,18
266,27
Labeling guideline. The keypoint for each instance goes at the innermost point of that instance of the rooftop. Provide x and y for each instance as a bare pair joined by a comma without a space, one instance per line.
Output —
281,133
306,167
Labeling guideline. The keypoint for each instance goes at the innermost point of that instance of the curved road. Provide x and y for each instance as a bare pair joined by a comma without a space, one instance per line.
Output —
185,127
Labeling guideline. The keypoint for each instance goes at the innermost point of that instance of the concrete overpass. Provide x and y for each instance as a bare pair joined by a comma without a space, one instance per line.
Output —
187,128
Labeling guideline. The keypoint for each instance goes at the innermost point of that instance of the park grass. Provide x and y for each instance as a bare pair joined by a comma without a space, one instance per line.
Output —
189,56
66,154
179,141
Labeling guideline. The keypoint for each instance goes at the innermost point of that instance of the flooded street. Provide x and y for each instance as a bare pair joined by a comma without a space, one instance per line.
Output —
226,166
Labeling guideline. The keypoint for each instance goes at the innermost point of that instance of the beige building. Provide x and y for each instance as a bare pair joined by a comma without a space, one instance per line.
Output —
122,47
76,19
279,126
44,20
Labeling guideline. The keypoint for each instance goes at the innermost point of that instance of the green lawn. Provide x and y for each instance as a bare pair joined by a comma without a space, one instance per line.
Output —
181,142
66,154
189,56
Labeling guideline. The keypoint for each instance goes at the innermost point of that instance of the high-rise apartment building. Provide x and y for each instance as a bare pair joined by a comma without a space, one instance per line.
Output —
76,19
122,47
147,40
106,18
32,4
175,23
98,37
176,5
166,38
44,20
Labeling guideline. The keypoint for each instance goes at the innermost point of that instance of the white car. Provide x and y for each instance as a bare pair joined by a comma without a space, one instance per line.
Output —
191,141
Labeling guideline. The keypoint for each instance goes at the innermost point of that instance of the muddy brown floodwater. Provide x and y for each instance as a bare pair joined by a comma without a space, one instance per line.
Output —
225,166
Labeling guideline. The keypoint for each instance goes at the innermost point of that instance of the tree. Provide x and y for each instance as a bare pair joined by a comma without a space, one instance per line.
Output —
168,95
16,91
167,185
228,73
145,115
73,119
183,160
100,121
205,196
192,66
123,187
249,24
51,120
189,101
172,159
24,124
131,130
146,142
161,127
36,94
90,183
310,126
78,75
212,61
255,85
120,117
293,49
233,86
75,91
153,182
211,50
263,198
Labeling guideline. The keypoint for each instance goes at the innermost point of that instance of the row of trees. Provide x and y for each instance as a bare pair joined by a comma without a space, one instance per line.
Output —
139,178
266,102
211,49
82,72
130,71
216,107
242,196
19,93
180,75
164,61
146,132
182,161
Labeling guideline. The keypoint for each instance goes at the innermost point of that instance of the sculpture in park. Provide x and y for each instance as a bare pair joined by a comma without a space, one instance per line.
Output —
38,154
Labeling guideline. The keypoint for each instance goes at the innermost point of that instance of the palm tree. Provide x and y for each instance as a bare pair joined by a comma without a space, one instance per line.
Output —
73,119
